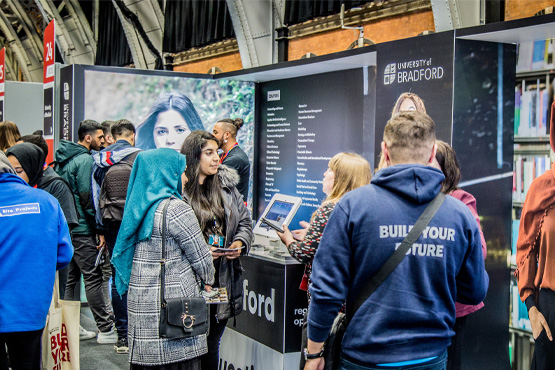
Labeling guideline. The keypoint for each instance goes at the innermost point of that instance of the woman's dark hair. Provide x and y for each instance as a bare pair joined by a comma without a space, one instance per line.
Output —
447,160
166,102
206,199
232,125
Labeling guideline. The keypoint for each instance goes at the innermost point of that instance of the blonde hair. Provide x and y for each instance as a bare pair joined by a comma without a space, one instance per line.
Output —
418,103
9,135
350,171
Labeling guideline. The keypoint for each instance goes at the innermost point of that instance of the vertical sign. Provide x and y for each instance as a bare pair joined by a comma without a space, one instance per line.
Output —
416,74
48,88
2,80
66,103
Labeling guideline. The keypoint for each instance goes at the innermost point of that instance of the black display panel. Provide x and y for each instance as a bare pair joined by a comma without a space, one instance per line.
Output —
420,66
303,123
483,123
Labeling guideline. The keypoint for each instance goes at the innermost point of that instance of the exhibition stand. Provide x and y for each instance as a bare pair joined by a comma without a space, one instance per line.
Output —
299,114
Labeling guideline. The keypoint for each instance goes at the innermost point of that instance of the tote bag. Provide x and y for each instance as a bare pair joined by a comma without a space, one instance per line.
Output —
60,338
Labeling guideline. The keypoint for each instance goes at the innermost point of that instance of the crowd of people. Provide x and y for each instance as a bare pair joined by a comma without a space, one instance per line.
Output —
180,206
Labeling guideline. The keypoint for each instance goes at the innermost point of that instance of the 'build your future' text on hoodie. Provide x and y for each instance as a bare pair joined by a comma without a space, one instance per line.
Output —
410,316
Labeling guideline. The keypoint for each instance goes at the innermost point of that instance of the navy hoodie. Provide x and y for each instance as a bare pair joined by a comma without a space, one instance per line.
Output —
411,314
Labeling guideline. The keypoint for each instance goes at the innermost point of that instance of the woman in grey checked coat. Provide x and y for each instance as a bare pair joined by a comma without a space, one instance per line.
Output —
155,180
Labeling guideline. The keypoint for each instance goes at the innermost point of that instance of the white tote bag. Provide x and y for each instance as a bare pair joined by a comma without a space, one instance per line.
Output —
60,338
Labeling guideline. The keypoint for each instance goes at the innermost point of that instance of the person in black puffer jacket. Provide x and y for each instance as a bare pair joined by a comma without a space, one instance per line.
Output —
221,212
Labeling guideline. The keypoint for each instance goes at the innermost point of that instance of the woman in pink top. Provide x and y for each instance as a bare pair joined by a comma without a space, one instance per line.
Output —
446,161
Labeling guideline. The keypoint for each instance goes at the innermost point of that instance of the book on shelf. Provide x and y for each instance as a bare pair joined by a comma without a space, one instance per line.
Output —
514,238
531,108
535,55
526,169
519,312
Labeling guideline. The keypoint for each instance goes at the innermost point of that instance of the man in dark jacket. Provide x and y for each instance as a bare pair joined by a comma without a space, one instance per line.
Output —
408,321
74,164
110,178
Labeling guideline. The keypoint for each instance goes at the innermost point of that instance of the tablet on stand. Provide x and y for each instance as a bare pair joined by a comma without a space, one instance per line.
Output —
280,211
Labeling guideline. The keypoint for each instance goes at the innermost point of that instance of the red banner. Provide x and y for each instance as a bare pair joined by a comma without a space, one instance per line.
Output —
49,40
48,87
2,80
2,70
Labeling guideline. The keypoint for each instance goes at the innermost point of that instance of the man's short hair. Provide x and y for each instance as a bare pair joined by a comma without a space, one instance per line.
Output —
107,127
38,140
122,127
88,127
410,137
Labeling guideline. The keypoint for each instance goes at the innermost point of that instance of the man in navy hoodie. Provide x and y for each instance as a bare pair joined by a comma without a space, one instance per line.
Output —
407,322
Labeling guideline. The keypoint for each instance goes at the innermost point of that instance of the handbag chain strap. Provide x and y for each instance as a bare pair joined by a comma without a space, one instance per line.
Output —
396,258
163,259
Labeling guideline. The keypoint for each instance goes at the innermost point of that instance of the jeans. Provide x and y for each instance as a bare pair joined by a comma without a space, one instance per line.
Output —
119,303
23,349
84,258
211,359
439,363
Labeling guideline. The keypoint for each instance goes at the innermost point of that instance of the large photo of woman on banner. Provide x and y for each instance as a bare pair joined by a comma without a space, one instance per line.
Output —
166,109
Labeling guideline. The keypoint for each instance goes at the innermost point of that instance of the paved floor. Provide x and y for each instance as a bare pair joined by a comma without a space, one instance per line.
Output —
94,356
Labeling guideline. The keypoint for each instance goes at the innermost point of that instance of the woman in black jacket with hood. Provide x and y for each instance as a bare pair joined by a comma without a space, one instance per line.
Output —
222,215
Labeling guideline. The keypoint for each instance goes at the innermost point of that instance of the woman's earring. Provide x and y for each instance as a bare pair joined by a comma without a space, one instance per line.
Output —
225,141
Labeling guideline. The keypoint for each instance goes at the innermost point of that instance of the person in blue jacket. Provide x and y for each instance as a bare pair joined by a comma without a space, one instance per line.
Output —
34,243
407,323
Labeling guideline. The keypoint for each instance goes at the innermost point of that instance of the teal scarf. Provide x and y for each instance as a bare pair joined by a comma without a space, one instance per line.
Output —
156,175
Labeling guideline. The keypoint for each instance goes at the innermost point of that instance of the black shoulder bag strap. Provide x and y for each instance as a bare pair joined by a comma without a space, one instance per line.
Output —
163,318
396,258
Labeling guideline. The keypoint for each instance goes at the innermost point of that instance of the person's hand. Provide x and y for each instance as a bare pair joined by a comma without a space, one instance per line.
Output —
232,254
208,288
286,236
300,234
538,323
316,364
215,255
101,243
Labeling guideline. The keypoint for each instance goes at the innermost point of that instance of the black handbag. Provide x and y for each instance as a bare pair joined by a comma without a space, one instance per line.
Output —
179,317
332,346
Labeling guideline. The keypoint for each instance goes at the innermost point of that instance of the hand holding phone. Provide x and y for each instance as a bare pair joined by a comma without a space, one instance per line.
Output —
274,225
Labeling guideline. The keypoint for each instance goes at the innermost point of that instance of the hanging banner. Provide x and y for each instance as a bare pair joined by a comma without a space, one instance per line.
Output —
2,81
66,103
48,88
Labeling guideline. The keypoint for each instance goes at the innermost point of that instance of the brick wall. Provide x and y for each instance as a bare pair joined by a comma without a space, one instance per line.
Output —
227,63
516,9
394,28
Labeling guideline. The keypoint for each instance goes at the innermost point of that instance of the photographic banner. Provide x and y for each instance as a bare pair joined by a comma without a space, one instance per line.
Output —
416,74
165,107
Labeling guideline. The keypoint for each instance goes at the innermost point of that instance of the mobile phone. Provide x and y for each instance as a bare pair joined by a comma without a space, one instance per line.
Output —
100,257
272,224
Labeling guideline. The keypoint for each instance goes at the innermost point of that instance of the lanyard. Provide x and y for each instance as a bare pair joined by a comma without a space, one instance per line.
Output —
225,155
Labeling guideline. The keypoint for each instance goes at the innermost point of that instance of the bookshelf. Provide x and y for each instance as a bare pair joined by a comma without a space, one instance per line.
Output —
534,94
